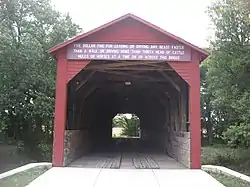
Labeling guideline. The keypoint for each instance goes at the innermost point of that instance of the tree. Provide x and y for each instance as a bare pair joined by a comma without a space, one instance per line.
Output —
28,29
229,63
130,126
206,102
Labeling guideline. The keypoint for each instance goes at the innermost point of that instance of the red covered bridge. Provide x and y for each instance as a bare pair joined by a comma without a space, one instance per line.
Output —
128,66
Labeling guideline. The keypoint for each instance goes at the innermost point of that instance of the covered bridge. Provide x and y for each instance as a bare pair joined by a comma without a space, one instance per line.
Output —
127,66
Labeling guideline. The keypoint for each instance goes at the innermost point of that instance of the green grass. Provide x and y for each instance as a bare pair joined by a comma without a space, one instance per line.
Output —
22,179
229,181
235,159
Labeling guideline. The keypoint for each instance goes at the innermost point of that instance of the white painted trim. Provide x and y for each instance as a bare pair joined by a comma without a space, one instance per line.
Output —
225,171
24,168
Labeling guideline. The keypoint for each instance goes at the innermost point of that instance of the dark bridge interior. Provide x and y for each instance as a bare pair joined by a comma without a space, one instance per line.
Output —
151,90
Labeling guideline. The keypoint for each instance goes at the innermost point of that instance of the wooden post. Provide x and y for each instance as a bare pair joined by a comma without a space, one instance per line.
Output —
194,106
60,109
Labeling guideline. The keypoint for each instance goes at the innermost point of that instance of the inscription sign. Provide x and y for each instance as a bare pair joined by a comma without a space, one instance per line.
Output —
117,51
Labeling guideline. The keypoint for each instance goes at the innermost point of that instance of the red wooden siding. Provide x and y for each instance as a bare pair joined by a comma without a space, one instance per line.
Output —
126,31
74,67
129,30
183,69
194,110
60,108
186,69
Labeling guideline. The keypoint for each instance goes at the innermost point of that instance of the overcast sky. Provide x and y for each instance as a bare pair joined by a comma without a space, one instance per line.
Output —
184,18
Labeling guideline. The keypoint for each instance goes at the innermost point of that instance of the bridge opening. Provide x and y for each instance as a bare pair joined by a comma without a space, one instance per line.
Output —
126,126
151,90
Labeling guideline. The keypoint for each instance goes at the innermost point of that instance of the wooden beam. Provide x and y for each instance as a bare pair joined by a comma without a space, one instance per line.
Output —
89,92
160,65
138,69
161,97
122,64
60,109
170,81
145,78
85,80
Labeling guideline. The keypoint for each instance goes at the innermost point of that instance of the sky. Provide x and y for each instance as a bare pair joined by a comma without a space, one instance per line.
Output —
184,18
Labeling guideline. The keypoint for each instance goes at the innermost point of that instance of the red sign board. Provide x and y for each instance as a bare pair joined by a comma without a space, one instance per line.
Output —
118,51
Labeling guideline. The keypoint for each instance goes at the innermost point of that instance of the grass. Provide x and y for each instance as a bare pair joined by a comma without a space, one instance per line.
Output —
10,159
22,179
229,181
235,159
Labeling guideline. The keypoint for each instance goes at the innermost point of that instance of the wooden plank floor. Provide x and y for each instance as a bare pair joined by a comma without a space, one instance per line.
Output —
127,161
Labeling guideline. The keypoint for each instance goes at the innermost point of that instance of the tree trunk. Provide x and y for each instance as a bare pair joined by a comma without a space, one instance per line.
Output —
209,131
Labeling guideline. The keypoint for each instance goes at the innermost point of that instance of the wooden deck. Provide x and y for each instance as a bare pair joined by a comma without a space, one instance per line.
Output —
127,161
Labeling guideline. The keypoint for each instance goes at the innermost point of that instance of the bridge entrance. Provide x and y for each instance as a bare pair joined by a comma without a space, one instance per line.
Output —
127,66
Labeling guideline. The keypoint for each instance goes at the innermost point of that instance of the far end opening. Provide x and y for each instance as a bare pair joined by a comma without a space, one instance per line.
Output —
126,126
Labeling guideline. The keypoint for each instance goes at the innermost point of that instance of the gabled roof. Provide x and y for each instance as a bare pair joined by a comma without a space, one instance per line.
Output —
204,54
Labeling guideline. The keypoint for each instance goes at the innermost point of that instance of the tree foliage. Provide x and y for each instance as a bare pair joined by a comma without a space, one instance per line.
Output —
238,135
227,90
130,126
28,28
